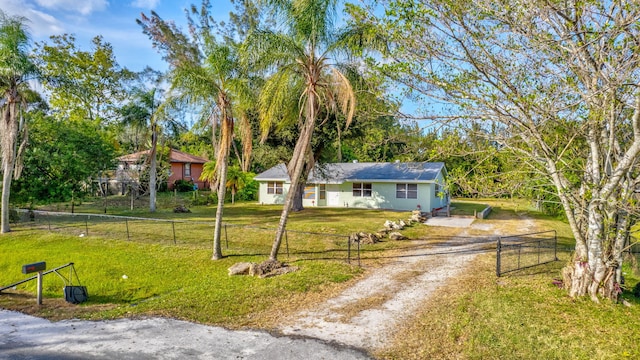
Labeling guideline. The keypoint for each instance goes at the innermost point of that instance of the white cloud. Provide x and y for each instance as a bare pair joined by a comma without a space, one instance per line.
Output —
145,4
84,7
39,24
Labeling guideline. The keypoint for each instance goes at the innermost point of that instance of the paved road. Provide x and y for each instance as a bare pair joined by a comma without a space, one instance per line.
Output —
28,337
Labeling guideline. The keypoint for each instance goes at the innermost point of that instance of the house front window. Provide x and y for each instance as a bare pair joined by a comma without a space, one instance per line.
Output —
362,189
274,188
406,191
310,192
187,170
322,189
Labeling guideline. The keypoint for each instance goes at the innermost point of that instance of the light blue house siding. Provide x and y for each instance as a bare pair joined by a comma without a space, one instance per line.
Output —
398,186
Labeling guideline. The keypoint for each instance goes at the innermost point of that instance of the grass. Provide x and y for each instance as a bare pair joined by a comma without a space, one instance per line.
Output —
162,280
477,316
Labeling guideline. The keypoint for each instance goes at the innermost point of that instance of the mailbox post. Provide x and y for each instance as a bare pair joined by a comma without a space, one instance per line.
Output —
36,267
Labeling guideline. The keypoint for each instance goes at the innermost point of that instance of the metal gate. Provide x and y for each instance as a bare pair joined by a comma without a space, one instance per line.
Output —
522,251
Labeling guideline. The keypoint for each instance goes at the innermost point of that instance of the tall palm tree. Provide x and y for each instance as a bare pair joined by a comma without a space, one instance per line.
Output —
16,69
304,83
203,72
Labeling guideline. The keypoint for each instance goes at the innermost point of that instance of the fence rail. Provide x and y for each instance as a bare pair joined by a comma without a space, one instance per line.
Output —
522,251
236,239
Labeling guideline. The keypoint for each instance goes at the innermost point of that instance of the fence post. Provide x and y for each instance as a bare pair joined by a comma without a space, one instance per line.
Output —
555,245
126,222
358,253
348,250
226,237
498,250
286,241
86,225
173,227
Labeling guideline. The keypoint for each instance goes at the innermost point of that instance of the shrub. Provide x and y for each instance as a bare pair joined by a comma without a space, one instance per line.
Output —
183,185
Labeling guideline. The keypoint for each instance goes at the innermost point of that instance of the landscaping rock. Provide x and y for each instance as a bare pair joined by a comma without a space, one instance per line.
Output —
181,209
285,269
396,236
267,267
242,268
364,238
418,216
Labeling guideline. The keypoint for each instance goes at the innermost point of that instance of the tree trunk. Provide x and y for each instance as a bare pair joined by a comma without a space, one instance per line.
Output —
8,131
153,169
226,132
297,205
217,247
595,272
296,167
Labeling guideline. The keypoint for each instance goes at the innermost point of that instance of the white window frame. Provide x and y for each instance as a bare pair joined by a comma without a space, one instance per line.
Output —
275,187
362,189
406,191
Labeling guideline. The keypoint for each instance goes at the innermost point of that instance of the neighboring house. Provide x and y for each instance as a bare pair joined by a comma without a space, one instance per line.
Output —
183,167
399,186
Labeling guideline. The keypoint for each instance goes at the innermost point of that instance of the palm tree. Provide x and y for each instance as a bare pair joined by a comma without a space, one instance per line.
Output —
204,72
146,111
236,180
304,81
16,69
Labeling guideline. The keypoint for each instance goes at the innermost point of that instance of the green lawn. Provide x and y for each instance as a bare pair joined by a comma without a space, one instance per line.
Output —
478,316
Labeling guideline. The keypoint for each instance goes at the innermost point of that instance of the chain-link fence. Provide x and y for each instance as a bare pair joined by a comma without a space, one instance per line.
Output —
235,239
525,250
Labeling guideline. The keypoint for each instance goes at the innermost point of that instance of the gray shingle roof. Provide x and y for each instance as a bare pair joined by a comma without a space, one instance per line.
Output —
354,172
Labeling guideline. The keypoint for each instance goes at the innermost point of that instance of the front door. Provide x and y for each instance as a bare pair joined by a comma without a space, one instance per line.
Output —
333,198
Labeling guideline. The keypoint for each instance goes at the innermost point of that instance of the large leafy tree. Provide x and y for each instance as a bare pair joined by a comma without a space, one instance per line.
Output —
83,85
16,68
558,83
204,71
304,83
61,158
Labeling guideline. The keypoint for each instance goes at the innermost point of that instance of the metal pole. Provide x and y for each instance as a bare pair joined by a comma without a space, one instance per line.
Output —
49,221
498,250
39,296
226,237
358,253
286,241
348,250
126,222
173,226
86,225
555,245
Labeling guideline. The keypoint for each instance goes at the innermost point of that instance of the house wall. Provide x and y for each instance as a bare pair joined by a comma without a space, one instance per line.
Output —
341,195
177,173
383,196
265,198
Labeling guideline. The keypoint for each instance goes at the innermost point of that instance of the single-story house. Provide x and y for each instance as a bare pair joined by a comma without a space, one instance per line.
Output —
183,167
397,185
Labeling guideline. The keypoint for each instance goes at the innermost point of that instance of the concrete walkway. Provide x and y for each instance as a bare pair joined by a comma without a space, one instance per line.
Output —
451,221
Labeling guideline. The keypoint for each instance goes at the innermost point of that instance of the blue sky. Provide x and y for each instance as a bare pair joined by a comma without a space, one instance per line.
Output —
115,20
